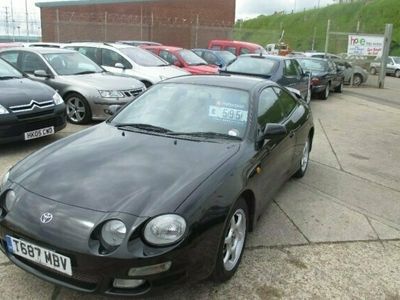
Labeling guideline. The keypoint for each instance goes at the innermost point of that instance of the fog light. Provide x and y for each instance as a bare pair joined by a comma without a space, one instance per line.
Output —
127,283
149,270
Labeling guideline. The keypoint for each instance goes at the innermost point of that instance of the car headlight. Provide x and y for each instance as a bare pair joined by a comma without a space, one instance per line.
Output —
57,99
111,94
3,110
113,233
165,230
4,181
10,200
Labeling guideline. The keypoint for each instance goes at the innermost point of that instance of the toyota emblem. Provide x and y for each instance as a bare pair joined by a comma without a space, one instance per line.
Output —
46,218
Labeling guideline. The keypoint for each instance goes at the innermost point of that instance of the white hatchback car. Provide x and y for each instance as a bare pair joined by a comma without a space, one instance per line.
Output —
128,60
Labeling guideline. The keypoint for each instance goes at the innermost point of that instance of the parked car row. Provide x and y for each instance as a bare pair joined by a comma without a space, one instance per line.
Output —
90,77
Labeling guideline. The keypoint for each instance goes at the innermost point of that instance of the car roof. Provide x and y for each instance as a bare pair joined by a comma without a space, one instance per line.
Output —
233,42
99,44
163,47
224,80
272,57
40,50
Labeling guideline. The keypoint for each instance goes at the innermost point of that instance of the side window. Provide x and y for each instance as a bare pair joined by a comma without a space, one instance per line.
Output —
32,62
210,58
290,69
11,57
332,66
216,47
169,57
110,58
244,51
231,50
199,53
269,110
90,52
298,67
286,101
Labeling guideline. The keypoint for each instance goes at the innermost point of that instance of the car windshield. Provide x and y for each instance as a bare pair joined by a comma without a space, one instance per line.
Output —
72,63
260,50
143,57
191,58
313,65
7,71
254,65
396,60
189,110
226,56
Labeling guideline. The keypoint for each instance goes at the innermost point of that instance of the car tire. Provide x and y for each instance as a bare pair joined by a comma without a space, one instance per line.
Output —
397,73
339,88
357,80
234,235
78,109
304,160
373,71
325,93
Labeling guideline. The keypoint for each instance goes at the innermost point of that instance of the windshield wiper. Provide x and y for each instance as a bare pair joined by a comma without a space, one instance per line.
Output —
146,127
85,72
208,134
9,77
199,64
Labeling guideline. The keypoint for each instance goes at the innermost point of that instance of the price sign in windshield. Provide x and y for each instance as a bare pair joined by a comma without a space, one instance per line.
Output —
228,114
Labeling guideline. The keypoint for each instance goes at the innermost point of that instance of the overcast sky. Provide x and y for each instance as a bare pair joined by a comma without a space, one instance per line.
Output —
245,9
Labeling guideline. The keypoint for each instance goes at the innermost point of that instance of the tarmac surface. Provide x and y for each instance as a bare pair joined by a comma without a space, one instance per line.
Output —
333,234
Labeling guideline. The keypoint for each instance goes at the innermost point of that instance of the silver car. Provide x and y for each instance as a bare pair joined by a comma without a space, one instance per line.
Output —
86,88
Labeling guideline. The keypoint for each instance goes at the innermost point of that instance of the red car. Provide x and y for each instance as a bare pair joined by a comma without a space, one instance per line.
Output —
183,58
236,47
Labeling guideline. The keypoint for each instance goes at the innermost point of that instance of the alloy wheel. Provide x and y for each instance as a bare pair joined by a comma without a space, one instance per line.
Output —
234,240
76,109
305,157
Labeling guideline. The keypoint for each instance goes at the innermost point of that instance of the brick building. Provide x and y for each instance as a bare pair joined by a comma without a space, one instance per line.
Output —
186,23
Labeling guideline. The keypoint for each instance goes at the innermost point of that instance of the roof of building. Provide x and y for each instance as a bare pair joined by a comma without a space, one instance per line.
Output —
83,2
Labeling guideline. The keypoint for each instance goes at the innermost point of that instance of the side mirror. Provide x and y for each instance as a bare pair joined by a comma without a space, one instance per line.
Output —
178,64
41,73
119,66
272,130
112,109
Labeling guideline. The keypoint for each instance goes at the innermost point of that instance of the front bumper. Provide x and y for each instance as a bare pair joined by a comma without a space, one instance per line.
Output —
192,259
13,126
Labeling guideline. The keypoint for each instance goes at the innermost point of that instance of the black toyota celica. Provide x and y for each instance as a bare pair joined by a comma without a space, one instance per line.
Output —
165,190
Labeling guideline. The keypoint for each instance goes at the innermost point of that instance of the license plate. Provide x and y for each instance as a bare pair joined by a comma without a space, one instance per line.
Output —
30,135
39,255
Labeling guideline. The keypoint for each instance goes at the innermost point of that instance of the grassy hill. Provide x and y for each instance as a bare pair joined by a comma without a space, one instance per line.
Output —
300,27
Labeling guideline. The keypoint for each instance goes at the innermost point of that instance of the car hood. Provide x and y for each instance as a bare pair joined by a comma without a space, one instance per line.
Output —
110,170
21,91
202,69
104,81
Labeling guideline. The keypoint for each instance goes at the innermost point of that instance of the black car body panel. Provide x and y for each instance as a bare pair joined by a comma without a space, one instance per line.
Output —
287,72
30,106
134,176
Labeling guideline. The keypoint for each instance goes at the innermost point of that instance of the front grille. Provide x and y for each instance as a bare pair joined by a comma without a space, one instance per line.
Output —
31,106
132,93
34,115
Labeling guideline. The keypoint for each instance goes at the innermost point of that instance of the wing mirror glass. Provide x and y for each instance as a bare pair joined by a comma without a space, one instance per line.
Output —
41,73
273,130
119,66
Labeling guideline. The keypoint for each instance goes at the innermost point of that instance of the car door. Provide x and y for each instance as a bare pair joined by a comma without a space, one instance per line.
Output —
109,60
270,162
390,66
294,77
336,78
294,116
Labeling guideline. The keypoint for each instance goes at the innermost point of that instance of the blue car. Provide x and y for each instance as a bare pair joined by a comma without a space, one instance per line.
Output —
214,57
